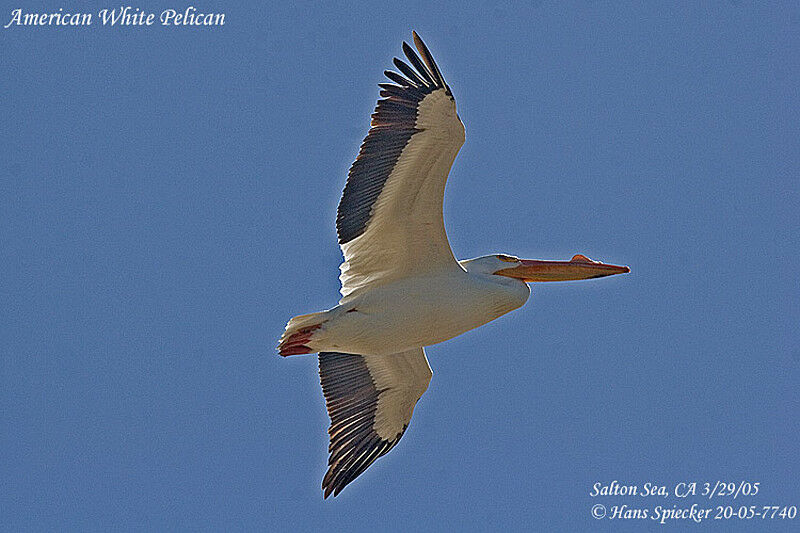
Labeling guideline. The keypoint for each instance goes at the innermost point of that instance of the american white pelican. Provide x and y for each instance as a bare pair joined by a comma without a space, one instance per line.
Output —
402,288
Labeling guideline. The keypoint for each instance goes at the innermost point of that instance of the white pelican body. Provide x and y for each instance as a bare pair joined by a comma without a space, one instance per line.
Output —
418,311
402,288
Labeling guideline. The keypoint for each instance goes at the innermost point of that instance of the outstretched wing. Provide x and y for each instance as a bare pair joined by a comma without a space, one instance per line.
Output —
370,400
390,219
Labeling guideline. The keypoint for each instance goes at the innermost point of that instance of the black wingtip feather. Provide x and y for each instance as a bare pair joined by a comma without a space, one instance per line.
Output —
428,58
408,72
397,78
419,65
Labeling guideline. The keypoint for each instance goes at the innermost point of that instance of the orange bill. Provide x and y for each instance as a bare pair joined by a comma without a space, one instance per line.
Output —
579,267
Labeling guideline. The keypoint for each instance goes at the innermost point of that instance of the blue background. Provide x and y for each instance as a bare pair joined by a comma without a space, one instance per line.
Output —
167,200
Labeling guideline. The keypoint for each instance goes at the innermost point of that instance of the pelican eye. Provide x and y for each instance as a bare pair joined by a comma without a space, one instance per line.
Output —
507,258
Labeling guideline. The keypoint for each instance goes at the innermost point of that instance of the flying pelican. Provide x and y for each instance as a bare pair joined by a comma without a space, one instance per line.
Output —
402,288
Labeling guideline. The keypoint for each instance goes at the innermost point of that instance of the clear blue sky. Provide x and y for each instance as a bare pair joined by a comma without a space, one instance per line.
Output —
167,202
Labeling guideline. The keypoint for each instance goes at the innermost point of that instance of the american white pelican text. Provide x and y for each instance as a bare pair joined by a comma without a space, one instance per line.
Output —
123,15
